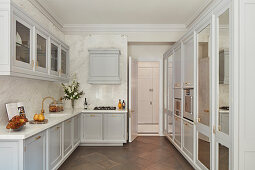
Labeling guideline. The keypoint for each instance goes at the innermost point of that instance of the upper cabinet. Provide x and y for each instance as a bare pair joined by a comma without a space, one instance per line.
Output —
188,62
28,50
104,66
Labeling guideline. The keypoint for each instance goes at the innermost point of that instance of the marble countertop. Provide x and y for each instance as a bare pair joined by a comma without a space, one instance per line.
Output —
104,111
32,129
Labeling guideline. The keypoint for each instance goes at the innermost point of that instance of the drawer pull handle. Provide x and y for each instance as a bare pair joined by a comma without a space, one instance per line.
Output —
186,124
92,115
58,127
38,137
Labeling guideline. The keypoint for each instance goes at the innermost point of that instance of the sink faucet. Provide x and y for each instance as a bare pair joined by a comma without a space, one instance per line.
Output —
42,111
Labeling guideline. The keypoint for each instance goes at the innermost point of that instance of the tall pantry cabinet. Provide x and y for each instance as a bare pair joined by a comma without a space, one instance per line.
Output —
217,52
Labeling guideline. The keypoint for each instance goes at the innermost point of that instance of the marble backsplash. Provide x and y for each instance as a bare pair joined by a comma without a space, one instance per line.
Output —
79,64
28,91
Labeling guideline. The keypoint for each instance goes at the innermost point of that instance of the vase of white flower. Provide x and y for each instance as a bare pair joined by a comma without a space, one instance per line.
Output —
72,91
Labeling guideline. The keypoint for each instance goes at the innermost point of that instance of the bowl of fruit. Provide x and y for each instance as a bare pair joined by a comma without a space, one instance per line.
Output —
17,122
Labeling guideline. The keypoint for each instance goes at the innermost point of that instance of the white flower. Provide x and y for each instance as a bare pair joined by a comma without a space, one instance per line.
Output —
75,93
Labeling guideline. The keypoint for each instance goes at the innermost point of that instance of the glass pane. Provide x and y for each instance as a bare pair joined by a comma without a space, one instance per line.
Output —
41,51
63,61
223,98
22,43
223,157
204,76
54,57
170,125
204,150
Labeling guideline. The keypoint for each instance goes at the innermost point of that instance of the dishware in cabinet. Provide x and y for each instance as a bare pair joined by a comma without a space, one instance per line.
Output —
64,68
35,152
177,136
67,136
22,44
54,145
41,51
188,138
188,62
54,54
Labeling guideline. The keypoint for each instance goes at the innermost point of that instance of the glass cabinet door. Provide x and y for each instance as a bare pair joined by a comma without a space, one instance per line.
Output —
23,44
63,62
41,52
54,57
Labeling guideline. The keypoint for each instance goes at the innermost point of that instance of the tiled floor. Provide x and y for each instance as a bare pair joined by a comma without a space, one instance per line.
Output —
145,153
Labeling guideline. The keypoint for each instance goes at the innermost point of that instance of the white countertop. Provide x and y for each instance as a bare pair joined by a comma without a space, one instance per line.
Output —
104,111
32,129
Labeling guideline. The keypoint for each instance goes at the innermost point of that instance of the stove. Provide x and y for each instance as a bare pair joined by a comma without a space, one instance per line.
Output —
224,107
105,108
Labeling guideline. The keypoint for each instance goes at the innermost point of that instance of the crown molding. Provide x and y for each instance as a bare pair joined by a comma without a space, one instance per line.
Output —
48,14
73,28
200,10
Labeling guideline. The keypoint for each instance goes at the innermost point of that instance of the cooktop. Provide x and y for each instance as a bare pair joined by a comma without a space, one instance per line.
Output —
105,108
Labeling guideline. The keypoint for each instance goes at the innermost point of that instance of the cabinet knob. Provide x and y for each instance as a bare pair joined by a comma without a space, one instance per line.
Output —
58,127
198,119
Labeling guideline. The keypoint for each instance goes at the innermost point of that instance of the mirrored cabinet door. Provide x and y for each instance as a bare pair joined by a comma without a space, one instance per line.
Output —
54,58
23,44
41,52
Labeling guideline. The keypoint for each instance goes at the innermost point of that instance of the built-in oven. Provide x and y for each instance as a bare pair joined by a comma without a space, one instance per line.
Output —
177,102
188,104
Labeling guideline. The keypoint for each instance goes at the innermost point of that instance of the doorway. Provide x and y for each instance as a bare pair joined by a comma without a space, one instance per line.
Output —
148,97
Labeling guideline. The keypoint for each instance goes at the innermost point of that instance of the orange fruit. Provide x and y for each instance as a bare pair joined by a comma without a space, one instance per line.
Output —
36,117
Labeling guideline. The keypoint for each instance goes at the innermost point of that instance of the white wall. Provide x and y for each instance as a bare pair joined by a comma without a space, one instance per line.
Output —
28,91
79,57
147,50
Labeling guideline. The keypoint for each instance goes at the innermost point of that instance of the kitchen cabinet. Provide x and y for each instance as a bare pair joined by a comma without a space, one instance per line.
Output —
188,138
67,136
92,127
28,49
104,128
114,128
104,66
177,134
224,121
35,152
9,155
224,66
188,62
76,130
177,67
54,145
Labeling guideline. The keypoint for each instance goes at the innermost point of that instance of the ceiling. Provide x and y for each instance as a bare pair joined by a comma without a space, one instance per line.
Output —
80,12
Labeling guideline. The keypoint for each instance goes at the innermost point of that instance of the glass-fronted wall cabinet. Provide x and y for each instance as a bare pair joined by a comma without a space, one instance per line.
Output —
23,44
29,50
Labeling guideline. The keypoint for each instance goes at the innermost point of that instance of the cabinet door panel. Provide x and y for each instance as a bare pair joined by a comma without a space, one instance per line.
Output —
11,158
55,145
114,127
35,154
177,68
188,63
188,138
67,136
76,124
92,127
177,138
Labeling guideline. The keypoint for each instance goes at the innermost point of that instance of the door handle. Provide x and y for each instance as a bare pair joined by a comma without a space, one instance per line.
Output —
151,90
150,102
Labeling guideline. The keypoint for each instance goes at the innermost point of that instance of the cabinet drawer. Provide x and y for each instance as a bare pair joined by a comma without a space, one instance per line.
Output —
188,138
92,126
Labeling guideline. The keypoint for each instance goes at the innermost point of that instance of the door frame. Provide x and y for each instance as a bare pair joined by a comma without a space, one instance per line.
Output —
160,60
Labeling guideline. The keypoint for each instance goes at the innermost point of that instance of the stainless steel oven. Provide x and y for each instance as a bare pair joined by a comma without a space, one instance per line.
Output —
188,104
177,102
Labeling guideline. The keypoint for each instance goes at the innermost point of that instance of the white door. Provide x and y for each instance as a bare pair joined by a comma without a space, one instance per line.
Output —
76,129
92,127
133,101
67,136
